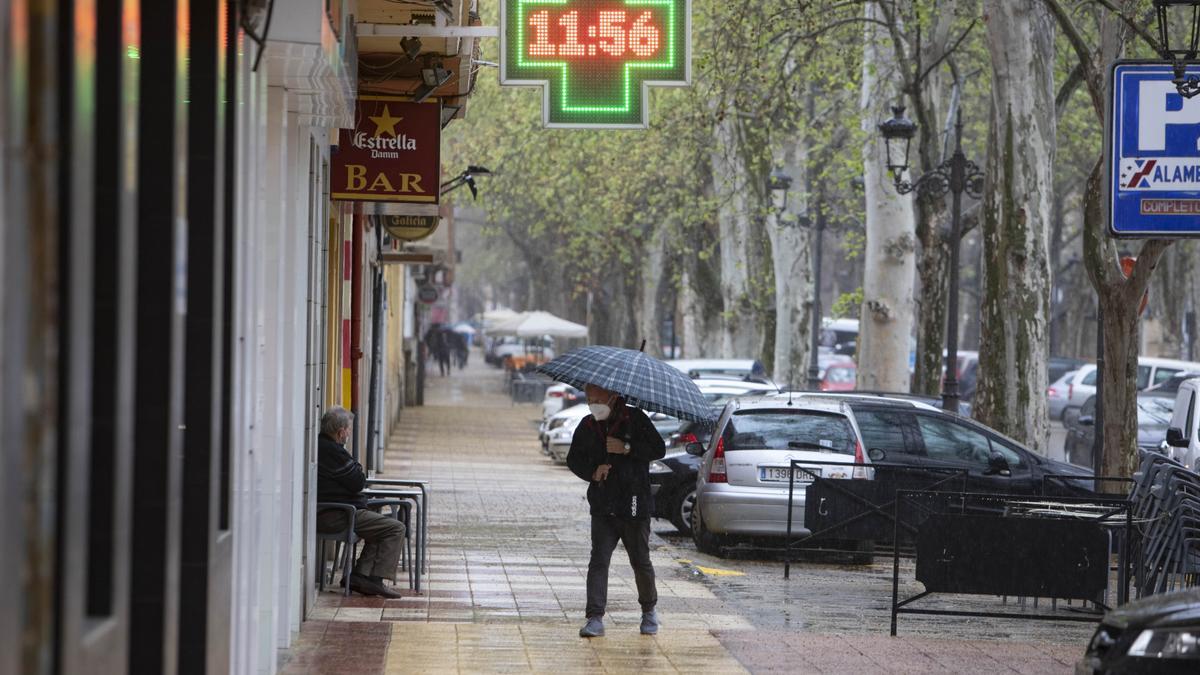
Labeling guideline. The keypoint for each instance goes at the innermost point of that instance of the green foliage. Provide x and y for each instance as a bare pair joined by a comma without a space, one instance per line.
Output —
854,244
847,305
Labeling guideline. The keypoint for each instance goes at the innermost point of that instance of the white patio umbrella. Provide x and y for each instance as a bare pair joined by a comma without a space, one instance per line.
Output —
495,317
506,326
536,324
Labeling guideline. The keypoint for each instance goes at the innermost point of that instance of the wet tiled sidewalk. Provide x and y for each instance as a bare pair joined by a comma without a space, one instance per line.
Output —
506,584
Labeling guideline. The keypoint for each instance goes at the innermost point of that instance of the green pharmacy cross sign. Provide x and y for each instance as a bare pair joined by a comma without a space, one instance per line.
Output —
596,59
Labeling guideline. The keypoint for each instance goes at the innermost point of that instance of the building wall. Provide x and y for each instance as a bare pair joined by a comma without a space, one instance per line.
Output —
168,330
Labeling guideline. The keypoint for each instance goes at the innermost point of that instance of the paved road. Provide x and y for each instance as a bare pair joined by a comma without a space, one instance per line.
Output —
506,586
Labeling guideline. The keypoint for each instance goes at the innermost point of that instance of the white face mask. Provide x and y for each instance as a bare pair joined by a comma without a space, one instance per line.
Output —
600,411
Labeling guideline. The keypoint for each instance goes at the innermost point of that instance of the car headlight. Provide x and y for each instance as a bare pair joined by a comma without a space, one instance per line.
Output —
556,423
1171,643
658,466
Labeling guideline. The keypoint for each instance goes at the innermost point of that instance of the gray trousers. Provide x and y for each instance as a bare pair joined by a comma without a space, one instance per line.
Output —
384,537
635,534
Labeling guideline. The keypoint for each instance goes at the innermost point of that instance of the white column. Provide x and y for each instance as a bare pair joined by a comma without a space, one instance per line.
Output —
245,414
293,249
272,458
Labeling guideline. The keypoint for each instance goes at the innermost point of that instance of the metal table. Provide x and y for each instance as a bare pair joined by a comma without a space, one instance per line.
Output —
416,496
423,487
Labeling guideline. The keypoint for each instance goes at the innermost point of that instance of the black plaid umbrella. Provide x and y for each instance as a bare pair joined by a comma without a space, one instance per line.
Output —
642,380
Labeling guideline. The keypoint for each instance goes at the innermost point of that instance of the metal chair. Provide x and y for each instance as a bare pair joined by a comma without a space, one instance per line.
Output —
1166,502
346,537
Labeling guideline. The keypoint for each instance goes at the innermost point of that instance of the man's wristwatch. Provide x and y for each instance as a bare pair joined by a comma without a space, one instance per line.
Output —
627,446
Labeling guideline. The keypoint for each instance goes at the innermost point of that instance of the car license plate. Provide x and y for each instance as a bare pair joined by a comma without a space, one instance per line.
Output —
779,474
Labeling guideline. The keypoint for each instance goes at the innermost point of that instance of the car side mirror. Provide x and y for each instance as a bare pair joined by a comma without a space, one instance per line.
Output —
998,466
876,454
1175,438
1085,420
696,449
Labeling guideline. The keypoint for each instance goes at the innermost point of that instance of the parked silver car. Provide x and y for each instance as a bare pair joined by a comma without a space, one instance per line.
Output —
1151,372
742,486
1057,395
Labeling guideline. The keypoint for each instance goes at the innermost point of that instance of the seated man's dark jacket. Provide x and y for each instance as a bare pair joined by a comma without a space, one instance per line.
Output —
626,491
340,479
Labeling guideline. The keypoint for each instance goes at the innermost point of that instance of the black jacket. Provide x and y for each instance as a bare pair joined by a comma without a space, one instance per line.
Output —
626,491
340,479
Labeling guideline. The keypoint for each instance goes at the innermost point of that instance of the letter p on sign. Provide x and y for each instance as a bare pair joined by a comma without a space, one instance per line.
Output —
1154,115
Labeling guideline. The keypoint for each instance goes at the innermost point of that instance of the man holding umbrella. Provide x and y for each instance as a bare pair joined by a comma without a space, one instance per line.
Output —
612,449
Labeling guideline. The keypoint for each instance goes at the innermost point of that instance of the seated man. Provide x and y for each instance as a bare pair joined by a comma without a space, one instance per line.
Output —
341,480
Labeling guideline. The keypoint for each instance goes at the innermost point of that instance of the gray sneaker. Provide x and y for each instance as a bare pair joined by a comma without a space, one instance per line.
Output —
593,628
650,623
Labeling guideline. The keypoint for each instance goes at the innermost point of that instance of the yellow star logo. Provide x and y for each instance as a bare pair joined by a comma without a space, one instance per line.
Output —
385,122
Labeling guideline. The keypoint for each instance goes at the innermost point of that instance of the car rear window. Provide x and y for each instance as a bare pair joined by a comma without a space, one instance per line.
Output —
789,430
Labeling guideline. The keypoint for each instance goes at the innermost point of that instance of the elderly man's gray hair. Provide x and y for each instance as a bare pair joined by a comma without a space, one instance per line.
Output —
335,419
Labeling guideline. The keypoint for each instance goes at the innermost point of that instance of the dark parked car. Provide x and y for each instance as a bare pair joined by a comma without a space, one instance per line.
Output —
1154,416
1156,634
917,436
673,478
673,484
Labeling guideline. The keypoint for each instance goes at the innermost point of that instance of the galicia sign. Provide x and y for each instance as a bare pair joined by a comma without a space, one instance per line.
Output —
1153,153
393,153
596,59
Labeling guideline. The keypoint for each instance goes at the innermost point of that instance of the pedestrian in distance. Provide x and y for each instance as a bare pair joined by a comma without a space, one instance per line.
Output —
612,449
457,343
439,348
340,480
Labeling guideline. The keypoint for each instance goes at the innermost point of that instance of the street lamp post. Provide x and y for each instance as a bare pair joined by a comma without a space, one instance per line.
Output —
956,176
781,182
814,365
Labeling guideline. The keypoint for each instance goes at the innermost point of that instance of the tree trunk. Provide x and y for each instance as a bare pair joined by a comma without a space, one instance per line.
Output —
741,255
1120,298
933,269
1118,377
700,306
1016,218
791,253
932,215
700,302
651,315
886,317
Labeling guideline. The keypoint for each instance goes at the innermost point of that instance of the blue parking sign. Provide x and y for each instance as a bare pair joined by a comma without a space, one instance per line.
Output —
1153,153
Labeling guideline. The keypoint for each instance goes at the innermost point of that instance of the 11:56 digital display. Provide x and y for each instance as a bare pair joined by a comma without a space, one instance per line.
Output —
612,33
595,59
